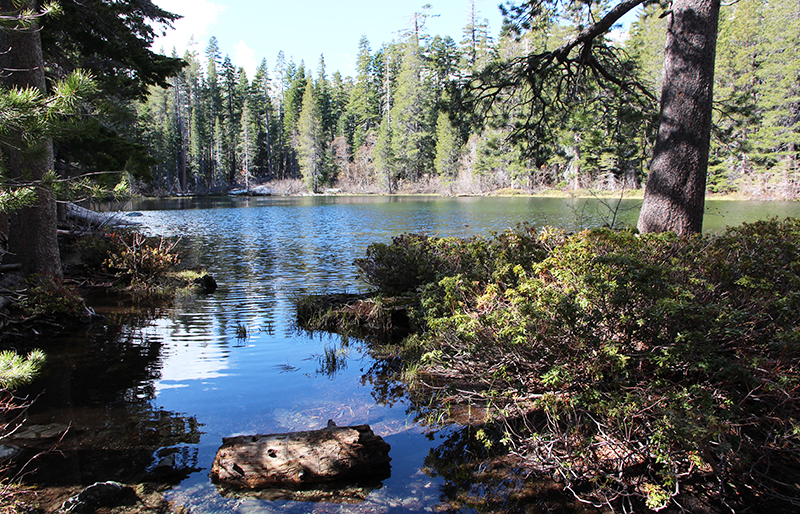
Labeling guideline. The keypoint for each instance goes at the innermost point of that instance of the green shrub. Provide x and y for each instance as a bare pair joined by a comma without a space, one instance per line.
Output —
94,249
49,296
412,261
653,360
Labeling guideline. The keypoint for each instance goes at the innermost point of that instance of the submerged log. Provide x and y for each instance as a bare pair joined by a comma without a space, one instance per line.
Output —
299,458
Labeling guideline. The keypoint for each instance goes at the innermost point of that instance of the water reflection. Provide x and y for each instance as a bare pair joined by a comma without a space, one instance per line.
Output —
101,386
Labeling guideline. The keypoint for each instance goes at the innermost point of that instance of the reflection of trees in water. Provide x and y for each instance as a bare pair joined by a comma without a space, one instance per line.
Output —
483,479
383,376
101,384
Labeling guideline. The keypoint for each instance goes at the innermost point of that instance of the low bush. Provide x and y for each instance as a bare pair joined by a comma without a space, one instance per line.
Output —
644,368
50,297
140,259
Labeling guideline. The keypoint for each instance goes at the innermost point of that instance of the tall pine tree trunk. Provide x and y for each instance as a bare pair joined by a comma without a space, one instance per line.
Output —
32,237
675,193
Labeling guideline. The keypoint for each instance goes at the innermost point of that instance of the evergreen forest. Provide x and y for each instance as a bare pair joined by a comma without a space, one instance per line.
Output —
410,121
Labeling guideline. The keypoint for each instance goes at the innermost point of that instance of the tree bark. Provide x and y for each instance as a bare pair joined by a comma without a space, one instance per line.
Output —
675,193
32,237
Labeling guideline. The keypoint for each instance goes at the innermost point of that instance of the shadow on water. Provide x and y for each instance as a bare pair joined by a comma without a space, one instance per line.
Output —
93,416
100,390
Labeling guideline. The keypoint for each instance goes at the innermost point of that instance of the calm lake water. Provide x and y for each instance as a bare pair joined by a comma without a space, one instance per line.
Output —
154,391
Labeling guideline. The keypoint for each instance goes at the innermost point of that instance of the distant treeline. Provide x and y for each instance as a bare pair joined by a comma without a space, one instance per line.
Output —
407,121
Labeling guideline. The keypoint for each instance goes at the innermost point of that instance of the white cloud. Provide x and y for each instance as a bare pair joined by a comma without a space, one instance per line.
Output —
245,57
198,16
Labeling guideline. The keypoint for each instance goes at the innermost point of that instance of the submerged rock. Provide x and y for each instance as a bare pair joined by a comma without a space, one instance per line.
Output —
99,494
41,431
8,451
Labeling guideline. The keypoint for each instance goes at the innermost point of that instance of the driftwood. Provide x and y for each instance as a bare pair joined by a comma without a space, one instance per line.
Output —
300,458
92,218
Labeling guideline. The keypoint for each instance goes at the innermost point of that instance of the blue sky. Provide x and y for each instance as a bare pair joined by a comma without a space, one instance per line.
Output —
249,30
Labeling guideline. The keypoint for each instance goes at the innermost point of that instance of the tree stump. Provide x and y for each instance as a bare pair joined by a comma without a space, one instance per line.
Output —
299,458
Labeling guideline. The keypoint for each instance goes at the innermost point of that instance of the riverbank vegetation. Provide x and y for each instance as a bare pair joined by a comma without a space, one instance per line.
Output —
639,370
120,262
15,371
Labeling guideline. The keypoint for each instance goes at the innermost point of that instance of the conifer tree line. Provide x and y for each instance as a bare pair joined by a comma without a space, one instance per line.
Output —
405,122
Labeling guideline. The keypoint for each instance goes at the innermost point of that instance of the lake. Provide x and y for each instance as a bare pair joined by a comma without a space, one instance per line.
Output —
152,391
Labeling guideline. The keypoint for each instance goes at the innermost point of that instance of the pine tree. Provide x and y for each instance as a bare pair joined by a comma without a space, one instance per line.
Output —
213,58
311,139
322,89
16,371
384,158
212,100
363,108
411,123
645,44
113,42
476,45
26,123
230,120
739,55
340,94
195,156
448,151
280,86
293,99
265,119
441,63
777,140
246,148
219,153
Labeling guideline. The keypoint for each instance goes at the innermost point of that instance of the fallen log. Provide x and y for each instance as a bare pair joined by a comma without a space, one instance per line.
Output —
98,219
299,458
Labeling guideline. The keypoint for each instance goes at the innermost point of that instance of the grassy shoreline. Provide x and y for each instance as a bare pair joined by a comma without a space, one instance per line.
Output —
282,190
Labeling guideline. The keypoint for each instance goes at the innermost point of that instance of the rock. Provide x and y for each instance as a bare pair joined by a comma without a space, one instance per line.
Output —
206,283
299,458
99,494
40,431
8,451
167,462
